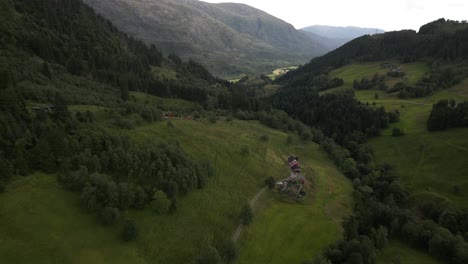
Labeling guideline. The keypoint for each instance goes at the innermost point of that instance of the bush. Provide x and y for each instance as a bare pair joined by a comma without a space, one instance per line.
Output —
160,203
229,251
397,132
212,119
108,215
306,135
211,256
245,151
246,215
129,231
264,138
270,182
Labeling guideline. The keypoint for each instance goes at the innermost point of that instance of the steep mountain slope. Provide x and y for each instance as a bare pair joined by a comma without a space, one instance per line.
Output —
227,38
334,37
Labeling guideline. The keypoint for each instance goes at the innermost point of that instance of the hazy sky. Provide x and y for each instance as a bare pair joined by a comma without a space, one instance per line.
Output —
387,15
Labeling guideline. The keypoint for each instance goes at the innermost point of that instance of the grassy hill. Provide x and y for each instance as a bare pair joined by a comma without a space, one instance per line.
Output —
43,223
431,163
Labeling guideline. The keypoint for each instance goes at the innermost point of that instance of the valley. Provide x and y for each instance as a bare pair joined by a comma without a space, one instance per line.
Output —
163,131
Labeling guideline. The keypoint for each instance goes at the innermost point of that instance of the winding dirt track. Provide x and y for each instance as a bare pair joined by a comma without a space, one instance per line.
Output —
239,229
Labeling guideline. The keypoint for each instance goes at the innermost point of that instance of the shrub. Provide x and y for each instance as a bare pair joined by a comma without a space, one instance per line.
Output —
160,203
306,135
129,231
245,151
246,215
212,119
210,256
108,215
229,251
397,132
264,138
270,182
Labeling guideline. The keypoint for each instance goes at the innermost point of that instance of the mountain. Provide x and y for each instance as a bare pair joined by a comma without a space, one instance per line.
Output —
446,40
333,37
341,32
229,39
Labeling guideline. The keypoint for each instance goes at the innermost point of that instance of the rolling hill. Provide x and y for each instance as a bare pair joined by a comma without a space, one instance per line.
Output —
229,39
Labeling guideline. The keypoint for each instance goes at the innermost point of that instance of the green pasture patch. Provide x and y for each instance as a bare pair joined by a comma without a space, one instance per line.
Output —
399,253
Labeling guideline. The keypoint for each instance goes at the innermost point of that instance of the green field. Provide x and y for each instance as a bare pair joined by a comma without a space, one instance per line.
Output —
399,253
414,71
288,232
431,163
42,223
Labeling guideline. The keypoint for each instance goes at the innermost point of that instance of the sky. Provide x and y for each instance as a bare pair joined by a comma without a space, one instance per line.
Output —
387,15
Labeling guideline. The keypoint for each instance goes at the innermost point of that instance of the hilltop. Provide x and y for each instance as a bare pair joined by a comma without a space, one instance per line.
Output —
229,39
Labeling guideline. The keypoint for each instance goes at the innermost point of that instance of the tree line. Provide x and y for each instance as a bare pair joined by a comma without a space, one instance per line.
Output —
446,114
382,209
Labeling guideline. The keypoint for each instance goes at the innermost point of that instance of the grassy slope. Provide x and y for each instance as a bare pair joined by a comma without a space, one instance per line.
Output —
399,253
430,164
288,232
43,223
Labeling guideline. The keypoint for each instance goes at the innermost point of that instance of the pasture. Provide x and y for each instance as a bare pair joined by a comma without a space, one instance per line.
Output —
43,223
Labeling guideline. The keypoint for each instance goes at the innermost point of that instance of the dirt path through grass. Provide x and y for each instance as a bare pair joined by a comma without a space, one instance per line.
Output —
252,204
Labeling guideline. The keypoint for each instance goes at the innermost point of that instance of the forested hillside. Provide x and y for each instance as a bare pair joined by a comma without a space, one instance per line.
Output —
406,46
230,39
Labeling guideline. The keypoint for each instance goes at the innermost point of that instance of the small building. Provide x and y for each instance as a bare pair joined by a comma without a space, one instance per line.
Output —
168,115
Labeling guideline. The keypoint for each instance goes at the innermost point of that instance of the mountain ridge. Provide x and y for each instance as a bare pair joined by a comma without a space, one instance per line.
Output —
335,36
214,34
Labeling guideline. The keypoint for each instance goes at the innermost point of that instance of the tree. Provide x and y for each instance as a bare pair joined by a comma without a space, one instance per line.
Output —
210,256
229,251
381,237
397,132
270,182
6,170
129,231
246,215
160,203
108,215
46,71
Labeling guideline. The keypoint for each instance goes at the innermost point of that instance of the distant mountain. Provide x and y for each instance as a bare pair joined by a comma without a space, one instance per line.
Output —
333,37
229,39
444,40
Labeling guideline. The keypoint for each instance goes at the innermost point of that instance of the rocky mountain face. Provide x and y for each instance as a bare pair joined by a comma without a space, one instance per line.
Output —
229,39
